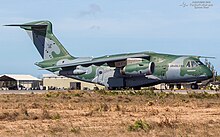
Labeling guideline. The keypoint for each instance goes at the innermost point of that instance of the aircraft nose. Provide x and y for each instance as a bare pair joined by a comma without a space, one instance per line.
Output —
209,73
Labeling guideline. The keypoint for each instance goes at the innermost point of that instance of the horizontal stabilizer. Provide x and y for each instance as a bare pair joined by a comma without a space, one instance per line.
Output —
29,26
23,25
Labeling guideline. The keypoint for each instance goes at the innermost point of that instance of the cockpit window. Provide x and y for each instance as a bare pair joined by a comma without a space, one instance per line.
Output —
194,64
199,63
188,65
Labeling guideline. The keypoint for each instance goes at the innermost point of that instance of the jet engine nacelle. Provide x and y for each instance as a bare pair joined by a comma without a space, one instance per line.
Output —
143,68
72,72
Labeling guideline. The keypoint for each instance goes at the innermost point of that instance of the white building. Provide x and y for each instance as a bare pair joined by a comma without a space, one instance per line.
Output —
16,81
52,81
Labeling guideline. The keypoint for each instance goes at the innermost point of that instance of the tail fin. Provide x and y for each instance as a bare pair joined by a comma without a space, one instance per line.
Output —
44,40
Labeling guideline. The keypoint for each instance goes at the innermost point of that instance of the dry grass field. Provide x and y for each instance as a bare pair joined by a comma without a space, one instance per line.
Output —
105,113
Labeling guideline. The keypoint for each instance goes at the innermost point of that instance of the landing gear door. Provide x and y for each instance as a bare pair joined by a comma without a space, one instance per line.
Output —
100,73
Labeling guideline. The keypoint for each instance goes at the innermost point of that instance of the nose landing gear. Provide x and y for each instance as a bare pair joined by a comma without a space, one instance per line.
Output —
194,86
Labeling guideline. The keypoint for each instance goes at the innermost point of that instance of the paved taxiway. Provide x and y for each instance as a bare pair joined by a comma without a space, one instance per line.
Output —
45,91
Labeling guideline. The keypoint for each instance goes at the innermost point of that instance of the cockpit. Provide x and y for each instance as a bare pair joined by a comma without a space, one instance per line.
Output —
193,63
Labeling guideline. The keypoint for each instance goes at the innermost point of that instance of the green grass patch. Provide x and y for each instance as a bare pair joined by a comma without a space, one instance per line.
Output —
139,125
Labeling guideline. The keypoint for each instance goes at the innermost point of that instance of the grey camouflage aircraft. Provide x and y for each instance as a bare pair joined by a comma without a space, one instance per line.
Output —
131,70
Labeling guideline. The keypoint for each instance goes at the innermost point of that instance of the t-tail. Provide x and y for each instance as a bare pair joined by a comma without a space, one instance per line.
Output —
44,40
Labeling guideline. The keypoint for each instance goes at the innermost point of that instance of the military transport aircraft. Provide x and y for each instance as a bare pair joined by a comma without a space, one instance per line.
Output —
131,70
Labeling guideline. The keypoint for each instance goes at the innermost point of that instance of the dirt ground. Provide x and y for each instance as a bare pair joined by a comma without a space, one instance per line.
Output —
102,113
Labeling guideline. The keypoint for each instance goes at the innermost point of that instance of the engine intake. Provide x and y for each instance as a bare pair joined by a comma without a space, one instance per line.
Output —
143,68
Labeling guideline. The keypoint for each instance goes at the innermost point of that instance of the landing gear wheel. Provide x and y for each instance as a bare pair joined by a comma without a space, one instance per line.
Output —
111,88
194,86
137,88
178,86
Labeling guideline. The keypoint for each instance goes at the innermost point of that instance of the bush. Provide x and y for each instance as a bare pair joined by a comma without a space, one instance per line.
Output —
75,130
56,116
139,125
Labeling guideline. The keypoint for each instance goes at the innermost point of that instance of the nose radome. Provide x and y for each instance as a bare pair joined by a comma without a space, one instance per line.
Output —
209,73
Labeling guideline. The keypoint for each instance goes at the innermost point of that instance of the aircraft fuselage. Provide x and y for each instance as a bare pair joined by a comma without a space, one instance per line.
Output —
167,69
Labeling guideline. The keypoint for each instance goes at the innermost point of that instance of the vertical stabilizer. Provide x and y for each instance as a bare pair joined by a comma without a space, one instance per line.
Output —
44,40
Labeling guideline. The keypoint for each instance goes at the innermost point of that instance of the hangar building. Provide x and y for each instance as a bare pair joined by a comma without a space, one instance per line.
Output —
52,81
17,82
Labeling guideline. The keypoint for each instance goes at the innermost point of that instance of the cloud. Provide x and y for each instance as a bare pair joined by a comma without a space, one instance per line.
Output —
95,27
92,10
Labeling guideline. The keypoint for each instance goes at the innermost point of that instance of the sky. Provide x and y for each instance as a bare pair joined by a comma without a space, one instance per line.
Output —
102,27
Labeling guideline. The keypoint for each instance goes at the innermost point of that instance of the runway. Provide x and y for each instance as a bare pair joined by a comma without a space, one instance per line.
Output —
45,91
23,91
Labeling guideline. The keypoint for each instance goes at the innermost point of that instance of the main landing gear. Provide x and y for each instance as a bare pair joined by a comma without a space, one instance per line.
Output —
137,88
119,88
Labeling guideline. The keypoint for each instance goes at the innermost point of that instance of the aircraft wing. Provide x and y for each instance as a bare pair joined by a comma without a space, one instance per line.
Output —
198,57
110,60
